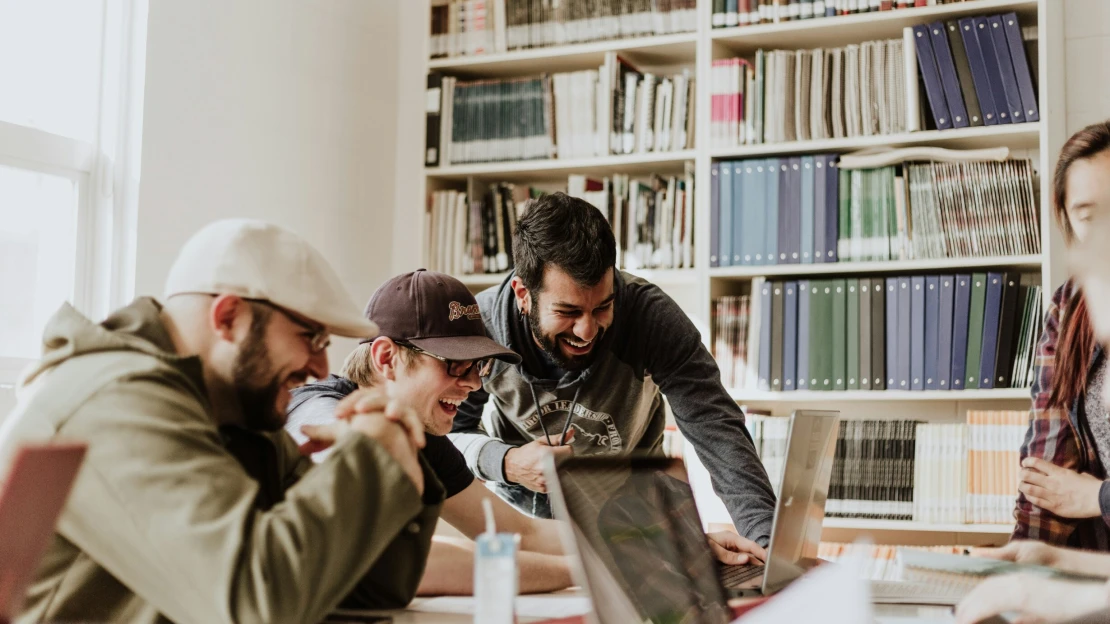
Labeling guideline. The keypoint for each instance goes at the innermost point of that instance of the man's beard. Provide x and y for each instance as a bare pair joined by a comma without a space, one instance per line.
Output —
257,402
550,345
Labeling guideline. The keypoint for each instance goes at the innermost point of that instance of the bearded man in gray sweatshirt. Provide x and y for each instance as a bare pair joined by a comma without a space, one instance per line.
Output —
600,348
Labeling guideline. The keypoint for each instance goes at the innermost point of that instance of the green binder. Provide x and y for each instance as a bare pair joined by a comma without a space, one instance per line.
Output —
839,334
852,343
975,329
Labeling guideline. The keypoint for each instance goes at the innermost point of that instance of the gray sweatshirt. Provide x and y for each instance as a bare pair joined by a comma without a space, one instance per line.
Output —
651,349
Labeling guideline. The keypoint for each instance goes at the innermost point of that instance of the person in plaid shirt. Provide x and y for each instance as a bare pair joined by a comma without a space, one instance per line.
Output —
1064,497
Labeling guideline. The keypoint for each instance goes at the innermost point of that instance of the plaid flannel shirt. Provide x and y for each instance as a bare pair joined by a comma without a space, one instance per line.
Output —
1062,437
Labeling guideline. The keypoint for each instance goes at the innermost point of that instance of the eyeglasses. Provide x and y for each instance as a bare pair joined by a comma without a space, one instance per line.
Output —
318,337
456,368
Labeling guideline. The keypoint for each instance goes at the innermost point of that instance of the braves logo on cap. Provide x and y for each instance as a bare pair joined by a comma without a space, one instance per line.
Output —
458,311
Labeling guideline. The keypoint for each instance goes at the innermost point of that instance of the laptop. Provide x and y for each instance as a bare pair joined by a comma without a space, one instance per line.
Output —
642,552
32,496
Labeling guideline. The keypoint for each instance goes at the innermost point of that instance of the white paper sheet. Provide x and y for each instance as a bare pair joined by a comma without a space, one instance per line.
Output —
539,606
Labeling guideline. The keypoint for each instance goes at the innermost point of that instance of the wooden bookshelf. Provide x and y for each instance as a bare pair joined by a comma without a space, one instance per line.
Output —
695,289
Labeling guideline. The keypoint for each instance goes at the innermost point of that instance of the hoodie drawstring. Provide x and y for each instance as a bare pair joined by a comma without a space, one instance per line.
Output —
539,414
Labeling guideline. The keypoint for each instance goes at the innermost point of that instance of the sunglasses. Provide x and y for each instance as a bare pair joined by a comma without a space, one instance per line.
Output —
456,368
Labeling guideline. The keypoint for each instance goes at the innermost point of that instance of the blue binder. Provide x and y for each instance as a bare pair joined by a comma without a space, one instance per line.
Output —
927,62
793,251
949,80
832,207
757,230
802,374
993,72
725,231
820,168
961,314
790,336
992,312
1022,71
714,216
773,203
892,333
905,333
809,175
739,180
765,337
983,89
944,334
1006,69
917,333
932,331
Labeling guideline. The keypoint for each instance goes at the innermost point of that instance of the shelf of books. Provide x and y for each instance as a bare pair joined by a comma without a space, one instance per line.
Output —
851,197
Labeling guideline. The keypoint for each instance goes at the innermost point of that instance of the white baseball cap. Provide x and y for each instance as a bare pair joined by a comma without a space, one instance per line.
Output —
257,260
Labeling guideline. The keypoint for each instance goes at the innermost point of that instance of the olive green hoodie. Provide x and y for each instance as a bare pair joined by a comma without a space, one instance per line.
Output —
174,519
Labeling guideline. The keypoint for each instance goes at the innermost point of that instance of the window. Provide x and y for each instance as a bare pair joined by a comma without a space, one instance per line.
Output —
70,127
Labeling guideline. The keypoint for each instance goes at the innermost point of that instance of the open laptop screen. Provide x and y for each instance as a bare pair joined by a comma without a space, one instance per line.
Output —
638,532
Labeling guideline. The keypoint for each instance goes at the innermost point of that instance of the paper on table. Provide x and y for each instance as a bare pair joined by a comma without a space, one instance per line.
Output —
833,593
539,606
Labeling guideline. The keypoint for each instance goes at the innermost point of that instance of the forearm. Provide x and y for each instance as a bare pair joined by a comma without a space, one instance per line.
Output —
544,537
450,570
485,456
1083,561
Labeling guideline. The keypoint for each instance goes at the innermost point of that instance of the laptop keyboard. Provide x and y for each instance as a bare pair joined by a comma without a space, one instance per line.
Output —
733,576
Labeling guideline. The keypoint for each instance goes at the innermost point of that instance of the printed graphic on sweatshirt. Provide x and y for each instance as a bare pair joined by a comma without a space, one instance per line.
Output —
595,433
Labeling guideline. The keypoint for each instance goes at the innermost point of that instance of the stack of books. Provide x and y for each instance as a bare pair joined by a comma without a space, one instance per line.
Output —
475,27
615,109
652,218
873,472
921,332
803,210
728,13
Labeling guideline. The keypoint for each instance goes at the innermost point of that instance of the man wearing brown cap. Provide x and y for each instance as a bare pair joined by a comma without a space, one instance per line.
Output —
430,354
193,505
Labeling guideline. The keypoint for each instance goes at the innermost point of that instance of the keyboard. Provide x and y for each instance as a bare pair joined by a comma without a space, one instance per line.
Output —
732,576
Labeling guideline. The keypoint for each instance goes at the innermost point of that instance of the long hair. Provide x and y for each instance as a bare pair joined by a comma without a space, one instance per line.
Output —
1073,348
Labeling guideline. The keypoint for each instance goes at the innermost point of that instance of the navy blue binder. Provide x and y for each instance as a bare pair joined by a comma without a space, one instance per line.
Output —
820,168
993,72
934,92
725,232
802,374
961,314
917,333
809,175
932,331
790,336
739,209
773,208
983,89
944,334
892,333
714,216
832,207
1006,69
949,79
992,313
1022,71
905,333
765,337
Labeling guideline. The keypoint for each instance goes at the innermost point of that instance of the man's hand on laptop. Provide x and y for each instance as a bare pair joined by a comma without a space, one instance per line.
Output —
524,464
732,549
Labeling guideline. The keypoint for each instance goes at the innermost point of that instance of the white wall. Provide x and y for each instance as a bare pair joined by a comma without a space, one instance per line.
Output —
1087,50
274,109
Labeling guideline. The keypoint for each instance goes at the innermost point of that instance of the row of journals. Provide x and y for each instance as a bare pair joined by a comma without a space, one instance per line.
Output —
950,473
923,332
652,220
803,210
475,27
976,72
614,109
729,13
802,95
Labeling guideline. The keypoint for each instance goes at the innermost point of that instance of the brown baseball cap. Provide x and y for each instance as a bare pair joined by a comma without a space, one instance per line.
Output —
437,313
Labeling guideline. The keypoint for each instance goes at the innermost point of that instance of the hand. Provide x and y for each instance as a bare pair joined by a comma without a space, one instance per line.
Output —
396,441
375,401
1023,551
524,464
732,549
1033,598
1064,492
322,437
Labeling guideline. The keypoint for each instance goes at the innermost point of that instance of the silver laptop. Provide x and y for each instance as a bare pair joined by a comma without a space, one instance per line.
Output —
642,552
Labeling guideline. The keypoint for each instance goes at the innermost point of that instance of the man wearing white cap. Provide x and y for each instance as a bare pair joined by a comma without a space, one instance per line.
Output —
193,505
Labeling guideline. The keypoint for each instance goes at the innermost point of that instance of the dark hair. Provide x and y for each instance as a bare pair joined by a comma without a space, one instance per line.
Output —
568,233
1073,347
